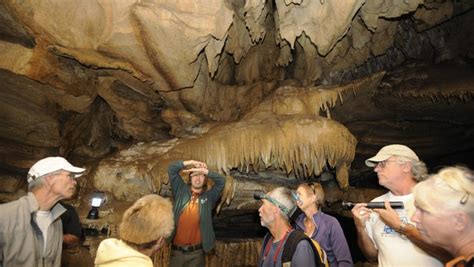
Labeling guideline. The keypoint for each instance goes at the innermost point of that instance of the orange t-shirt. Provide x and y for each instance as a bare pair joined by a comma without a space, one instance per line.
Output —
188,231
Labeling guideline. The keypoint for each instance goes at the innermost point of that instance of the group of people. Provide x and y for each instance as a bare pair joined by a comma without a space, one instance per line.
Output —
414,235
311,239
31,229
434,227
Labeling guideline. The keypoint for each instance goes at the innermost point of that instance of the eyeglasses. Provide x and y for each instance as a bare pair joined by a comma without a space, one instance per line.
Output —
382,164
70,175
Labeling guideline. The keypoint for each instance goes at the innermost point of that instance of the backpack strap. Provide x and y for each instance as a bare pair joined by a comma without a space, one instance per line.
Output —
266,240
294,238
322,254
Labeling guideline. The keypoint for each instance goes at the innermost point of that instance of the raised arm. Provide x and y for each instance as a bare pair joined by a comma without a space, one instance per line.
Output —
219,183
361,214
219,180
176,180
195,164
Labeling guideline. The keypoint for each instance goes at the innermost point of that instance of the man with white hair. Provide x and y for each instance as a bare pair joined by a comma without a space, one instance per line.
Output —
31,231
274,213
388,235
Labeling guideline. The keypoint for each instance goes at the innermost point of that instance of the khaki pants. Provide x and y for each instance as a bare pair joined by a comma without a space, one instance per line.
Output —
187,259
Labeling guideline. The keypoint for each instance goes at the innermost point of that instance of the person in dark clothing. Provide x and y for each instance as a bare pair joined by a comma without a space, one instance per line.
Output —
74,254
72,229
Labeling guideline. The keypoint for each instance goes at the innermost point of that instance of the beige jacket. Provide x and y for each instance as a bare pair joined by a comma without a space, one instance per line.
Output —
114,252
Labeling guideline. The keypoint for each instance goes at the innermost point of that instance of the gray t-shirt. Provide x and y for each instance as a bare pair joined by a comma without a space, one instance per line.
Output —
303,256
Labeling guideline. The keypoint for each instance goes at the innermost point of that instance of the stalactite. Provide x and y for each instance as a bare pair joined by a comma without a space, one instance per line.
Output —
294,140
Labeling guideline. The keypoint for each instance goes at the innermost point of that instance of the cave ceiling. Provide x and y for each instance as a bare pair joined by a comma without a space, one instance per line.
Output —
286,88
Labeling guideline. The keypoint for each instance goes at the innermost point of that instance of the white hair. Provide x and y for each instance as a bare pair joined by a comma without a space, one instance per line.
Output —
39,181
283,196
418,168
452,189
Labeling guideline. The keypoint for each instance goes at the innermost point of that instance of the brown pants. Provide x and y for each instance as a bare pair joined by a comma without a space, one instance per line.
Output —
187,259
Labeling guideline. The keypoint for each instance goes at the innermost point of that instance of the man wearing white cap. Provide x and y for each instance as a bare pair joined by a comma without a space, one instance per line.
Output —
30,227
388,235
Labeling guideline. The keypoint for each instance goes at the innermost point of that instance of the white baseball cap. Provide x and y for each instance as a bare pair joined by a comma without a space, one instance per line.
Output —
389,151
52,164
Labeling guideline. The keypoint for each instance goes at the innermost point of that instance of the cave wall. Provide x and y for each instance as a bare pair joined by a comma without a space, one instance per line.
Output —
126,62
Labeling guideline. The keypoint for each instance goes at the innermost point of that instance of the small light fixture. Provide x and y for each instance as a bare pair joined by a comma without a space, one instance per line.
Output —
97,199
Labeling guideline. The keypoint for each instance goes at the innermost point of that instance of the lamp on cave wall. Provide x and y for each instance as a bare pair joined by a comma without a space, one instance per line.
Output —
96,202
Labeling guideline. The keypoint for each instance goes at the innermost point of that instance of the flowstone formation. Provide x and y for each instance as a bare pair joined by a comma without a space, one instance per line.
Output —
285,132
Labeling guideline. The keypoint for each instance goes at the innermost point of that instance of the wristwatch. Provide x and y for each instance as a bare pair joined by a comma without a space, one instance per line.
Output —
402,228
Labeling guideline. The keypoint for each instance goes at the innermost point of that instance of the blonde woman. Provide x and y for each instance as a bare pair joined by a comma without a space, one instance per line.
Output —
143,230
445,213
323,228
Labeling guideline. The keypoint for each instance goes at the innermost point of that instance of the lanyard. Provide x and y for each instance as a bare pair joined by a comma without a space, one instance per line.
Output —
269,244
